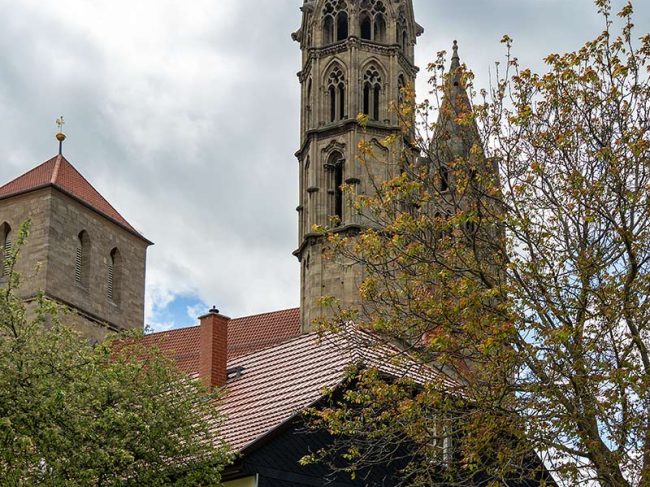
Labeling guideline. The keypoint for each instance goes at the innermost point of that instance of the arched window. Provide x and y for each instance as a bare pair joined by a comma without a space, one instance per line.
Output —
335,21
444,177
334,168
380,28
401,86
308,105
372,20
114,276
342,26
5,250
82,259
336,94
401,33
366,27
372,93
328,29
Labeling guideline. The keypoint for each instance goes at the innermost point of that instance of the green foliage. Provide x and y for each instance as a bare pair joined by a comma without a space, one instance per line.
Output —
115,414
526,280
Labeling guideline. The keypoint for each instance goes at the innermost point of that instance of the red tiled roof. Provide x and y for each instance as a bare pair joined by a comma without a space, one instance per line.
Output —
245,335
280,382
59,173
283,371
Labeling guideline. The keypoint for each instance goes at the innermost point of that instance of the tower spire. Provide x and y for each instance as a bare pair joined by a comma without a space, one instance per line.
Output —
60,136
455,59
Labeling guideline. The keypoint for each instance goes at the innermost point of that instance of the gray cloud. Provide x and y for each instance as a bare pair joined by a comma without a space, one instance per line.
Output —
185,116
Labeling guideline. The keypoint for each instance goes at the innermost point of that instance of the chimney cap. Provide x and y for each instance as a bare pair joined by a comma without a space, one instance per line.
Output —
213,312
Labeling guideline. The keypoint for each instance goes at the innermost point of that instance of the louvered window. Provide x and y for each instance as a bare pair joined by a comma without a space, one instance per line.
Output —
6,249
109,284
113,276
82,260
78,264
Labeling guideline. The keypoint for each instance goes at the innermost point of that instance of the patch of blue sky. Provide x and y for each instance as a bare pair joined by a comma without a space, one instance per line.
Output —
181,312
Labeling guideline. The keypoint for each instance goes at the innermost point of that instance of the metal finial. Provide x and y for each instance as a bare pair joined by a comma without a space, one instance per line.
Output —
214,310
456,56
60,136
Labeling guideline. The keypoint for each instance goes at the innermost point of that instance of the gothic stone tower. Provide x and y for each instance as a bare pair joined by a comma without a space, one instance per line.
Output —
356,56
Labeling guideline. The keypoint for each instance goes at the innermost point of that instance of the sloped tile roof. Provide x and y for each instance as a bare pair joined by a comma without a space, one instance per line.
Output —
281,371
59,173
245,335
280,382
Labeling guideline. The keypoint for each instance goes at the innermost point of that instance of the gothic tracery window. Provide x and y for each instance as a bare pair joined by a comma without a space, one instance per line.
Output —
372,93
334,169
335,21
372,20
336,94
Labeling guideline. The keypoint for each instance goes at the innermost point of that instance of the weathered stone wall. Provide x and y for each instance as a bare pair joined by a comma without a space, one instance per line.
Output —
68,219
32,263
47,261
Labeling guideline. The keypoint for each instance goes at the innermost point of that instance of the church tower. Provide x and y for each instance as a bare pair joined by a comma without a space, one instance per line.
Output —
356,57
80,253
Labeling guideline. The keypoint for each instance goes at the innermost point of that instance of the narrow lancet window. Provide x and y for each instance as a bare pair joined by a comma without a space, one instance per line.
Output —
82,260
336,91
114,274
5,250
372,93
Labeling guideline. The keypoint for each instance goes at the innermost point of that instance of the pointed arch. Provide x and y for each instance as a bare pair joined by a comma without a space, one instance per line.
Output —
114,276
82,260
372,92
5,250
336,92
335,21
335,167
372,20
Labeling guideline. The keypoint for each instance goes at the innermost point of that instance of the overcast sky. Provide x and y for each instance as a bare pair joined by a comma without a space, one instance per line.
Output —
184,115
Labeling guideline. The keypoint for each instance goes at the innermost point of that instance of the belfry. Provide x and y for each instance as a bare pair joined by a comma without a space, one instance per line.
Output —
357,55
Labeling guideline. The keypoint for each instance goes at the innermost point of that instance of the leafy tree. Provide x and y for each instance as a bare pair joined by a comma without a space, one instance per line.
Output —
516,258
106,415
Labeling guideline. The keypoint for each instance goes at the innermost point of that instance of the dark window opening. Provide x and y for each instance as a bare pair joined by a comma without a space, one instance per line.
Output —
342,26
338,181
328,30
332,92
366,28
380,28
366,99
444,177
375,108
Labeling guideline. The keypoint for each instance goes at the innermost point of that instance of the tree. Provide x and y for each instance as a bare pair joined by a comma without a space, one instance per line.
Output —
115,414
515,257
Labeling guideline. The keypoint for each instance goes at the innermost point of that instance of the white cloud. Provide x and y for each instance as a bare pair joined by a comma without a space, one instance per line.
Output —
185,116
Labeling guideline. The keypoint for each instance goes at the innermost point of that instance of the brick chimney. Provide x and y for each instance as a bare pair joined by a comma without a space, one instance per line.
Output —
213,353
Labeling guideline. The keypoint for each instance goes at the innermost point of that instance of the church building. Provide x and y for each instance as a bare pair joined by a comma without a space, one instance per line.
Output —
357,56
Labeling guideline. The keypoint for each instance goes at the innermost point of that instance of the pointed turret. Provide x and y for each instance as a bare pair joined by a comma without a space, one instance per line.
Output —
457,131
